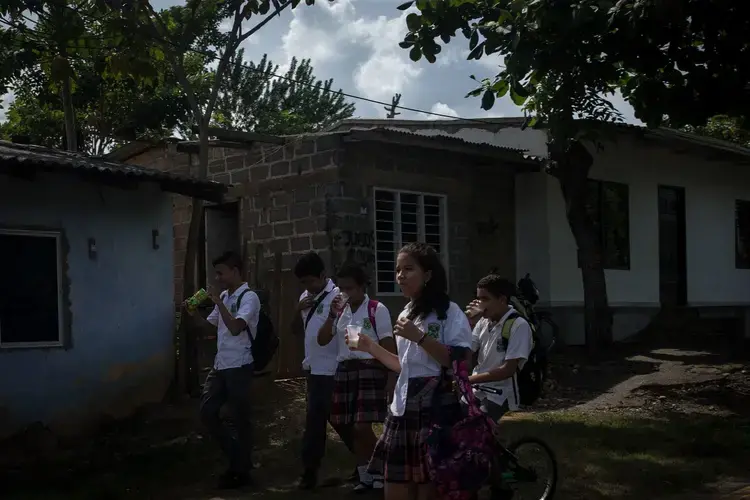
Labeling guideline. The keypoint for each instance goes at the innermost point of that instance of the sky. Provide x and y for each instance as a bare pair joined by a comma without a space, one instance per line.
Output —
355,42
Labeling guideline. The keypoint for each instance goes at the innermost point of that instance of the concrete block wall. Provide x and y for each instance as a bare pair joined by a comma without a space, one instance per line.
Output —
285,195
480,209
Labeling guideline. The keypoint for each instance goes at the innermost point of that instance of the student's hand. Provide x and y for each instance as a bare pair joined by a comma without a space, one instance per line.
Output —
364,343
474,311
305,303
407,329
337,304
214,294
189,311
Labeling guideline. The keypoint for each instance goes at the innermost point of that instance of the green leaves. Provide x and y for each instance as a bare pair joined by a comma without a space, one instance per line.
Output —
413,22
415,54
518,94
488,99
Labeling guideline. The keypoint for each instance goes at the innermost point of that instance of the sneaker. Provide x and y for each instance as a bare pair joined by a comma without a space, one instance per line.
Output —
354,476
233,481
308,480
362,487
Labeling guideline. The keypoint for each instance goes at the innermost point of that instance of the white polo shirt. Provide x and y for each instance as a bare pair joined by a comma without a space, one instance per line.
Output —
361,317
486,340
453,331
320,360
234,351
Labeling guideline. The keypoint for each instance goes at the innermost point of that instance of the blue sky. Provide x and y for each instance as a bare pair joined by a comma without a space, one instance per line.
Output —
355,42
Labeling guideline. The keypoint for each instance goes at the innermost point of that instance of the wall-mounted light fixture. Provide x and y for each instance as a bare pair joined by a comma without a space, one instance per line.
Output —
92,249
155,239
364,208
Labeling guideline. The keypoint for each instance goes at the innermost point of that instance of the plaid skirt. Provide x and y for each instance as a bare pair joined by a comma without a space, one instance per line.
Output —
359,392
399,454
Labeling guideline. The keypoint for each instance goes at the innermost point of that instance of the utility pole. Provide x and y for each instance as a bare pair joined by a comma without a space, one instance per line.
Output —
392,108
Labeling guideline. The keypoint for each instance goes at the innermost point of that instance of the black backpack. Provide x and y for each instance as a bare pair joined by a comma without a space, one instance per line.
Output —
531,377
266,342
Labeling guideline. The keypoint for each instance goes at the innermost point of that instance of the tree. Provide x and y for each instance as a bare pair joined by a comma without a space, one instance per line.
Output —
686,59
108,111
725,128
55,48
252,98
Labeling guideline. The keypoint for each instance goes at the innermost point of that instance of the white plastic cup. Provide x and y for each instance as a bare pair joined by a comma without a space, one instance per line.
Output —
353,332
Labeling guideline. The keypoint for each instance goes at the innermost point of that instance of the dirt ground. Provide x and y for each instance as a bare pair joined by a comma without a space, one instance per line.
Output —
660,421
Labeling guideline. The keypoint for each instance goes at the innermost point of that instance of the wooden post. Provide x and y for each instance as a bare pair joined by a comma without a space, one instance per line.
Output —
276,304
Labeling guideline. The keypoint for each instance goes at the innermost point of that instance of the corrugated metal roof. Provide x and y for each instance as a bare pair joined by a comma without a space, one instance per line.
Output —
480,147
39,157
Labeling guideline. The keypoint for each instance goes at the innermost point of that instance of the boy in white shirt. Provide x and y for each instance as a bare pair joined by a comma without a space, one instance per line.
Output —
235,317
499,359
320,363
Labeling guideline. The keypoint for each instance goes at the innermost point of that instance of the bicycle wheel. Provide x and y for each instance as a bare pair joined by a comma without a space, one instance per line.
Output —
533,469
548,332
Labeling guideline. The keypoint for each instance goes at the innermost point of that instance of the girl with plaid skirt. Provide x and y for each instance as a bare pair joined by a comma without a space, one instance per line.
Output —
428,327
361,382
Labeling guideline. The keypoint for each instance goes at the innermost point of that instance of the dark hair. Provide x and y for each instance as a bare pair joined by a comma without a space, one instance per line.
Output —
434,296
309,264
354,272
229,259
497,286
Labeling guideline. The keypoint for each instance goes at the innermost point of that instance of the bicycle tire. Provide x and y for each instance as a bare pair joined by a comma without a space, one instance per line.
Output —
551,488
544,318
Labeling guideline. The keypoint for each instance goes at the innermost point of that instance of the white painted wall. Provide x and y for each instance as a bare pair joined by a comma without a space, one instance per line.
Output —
711,189
546,248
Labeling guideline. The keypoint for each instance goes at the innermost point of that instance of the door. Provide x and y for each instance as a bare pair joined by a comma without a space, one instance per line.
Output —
672,252
222,234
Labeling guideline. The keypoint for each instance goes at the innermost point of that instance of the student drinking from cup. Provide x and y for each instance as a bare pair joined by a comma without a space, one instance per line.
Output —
361,382
428,329
320,364
235,316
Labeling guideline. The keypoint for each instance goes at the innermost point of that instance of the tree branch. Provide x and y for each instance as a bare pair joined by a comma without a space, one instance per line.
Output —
223,62
177,59
265,21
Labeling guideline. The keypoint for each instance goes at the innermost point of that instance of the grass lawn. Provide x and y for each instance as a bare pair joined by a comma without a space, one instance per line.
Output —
600,456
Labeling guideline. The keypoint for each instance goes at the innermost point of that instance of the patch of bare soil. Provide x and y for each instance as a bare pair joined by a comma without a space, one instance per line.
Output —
650,382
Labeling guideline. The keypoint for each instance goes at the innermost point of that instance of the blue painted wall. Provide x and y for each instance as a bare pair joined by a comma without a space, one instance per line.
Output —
122,304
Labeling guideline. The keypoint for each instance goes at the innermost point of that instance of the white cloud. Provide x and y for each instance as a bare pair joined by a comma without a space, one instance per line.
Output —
440,108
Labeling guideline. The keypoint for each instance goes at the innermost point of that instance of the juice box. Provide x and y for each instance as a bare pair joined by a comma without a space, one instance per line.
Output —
197,299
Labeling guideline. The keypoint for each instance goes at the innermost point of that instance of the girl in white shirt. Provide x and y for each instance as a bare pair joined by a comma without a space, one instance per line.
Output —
428,328
361,382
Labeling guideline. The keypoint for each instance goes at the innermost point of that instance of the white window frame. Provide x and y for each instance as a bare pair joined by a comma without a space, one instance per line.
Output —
420,228
57,235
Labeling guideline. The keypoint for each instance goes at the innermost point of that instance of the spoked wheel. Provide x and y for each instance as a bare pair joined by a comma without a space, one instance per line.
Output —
533,473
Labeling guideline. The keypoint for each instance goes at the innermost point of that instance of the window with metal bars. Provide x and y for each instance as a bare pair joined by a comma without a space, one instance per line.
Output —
403,217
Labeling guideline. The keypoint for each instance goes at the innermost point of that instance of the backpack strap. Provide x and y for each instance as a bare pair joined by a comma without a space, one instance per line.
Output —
237,307
506,329
372,307
315,306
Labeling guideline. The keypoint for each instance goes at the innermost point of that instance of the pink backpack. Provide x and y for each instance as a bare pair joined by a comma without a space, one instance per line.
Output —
459,457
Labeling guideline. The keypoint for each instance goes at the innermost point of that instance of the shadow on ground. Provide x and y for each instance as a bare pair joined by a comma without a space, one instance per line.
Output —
605,457
158,454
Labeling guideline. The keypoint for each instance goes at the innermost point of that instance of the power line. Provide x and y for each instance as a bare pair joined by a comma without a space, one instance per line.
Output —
268,74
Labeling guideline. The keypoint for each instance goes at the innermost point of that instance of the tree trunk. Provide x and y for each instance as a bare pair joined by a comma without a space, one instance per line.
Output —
71,135
573,166
188,350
